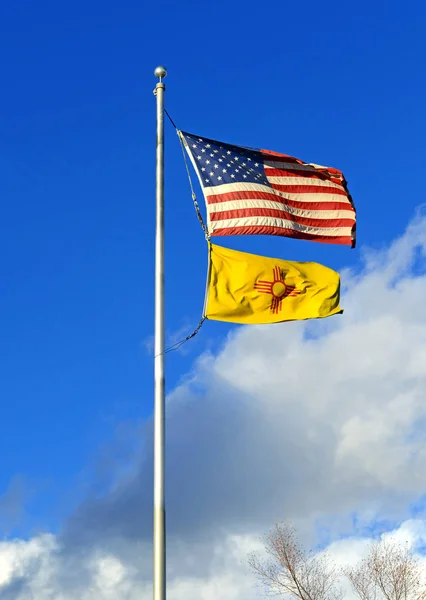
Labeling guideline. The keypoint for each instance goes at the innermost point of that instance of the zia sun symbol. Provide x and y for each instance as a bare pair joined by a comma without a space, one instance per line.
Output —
277,288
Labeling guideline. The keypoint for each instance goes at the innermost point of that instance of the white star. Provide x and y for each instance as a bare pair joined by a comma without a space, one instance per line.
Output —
207,162
203,168
216,166
256,164
220,160
194,145
245,176
219,178
229,152
228,165
223,170
208,146
244,164
236,170
199,157
203,150
233,176
249,159
236,158
215,151
211,173
212,154
200,139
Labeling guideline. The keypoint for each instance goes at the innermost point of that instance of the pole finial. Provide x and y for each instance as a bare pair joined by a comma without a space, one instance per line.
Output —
160,72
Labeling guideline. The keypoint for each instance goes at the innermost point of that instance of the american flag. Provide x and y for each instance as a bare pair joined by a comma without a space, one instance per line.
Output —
249,191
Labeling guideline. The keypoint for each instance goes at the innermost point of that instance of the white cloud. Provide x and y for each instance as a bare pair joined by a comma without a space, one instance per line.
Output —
300,421
38,566
37,569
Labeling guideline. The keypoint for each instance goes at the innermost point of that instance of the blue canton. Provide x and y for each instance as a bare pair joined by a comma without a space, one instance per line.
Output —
220,163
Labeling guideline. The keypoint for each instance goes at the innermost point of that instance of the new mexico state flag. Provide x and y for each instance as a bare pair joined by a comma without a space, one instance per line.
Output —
251,289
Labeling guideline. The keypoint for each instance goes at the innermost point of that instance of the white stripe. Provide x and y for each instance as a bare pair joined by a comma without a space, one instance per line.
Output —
227,188
270,204
304,181
282,224
303,198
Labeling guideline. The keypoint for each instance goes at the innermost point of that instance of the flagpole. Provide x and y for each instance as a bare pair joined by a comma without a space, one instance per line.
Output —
159,535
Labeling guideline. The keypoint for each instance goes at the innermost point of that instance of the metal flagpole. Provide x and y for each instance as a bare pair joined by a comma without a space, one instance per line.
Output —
159,537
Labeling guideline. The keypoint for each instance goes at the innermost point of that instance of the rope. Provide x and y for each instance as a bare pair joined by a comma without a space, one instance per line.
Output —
170,119
177,345
194,197
188,337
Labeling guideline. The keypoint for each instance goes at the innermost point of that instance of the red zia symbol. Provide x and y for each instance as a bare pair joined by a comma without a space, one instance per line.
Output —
277,288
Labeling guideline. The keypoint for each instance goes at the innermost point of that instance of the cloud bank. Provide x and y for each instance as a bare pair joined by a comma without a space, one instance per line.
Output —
314,422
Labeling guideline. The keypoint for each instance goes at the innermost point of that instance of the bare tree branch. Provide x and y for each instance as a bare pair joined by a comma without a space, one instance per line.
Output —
290,572
390,572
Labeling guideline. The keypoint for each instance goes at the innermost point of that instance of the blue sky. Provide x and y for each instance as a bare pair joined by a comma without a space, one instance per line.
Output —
338,84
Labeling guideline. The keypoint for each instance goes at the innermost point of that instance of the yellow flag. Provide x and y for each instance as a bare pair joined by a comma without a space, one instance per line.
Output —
250,289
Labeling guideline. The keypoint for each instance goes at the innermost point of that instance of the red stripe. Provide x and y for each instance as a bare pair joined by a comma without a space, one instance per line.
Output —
254,195
280,231
308,189
277,157
280,214
312,174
